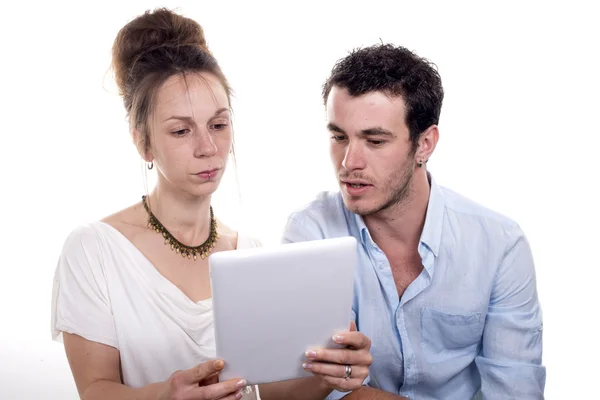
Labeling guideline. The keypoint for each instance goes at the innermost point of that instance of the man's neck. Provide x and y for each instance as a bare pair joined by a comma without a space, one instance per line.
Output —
403,222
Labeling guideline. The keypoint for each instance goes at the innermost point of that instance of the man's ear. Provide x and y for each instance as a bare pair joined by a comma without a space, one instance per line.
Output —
427,143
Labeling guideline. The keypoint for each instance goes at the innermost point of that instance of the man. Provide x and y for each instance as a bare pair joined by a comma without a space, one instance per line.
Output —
444,288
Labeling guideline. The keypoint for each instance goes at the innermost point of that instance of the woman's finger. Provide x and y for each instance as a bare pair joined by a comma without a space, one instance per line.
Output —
218,390
200,372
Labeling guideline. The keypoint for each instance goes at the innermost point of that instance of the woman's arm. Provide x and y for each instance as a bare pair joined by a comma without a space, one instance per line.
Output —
96,367
96,370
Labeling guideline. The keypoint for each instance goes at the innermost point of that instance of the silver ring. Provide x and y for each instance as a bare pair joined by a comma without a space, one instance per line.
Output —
348,372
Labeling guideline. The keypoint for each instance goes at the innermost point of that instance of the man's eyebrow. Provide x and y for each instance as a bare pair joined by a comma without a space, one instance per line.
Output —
376,131
334,128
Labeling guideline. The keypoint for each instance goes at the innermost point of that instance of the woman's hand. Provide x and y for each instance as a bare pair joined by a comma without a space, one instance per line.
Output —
201,383
342,369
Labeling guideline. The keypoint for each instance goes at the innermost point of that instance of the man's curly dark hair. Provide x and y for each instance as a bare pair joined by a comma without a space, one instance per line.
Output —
397,72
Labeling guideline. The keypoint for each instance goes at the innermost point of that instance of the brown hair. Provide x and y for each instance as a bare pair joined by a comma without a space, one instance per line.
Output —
150,49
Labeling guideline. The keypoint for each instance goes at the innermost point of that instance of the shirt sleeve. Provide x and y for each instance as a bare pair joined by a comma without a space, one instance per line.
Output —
510,363
80,301
300,228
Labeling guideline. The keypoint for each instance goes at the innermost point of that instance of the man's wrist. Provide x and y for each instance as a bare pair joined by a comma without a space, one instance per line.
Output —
323,388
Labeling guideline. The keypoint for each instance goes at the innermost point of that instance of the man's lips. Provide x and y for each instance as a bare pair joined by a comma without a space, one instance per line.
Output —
354,187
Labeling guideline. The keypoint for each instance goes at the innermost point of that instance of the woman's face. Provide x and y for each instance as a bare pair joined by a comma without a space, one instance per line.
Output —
190,133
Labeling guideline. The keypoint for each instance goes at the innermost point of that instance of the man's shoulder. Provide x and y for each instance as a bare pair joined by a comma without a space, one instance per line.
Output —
325,216
326,204
471,213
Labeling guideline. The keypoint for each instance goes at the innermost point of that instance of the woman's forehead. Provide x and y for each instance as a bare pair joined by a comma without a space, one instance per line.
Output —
191,93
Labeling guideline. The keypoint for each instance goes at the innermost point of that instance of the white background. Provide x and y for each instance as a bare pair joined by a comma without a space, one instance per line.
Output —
519,133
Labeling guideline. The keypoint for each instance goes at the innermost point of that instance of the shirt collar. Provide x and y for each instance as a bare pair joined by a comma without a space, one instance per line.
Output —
431,236
434,218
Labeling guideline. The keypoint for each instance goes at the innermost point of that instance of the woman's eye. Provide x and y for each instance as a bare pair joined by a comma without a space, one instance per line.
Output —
218,127
180,132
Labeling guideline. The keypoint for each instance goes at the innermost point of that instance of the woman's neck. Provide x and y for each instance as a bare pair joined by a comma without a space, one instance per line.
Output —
185,216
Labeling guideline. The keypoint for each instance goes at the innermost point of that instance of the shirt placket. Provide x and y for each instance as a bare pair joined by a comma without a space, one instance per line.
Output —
386,279
411,371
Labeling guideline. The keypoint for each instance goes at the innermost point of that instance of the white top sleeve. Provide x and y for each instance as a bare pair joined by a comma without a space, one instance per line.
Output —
80,301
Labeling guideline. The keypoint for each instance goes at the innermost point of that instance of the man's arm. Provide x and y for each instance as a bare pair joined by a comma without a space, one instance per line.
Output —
368,393
510,363
311,388
297,389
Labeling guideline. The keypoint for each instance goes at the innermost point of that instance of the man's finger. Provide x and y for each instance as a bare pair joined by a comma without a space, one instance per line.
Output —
340,384
340,356
352,326
336,370
354,339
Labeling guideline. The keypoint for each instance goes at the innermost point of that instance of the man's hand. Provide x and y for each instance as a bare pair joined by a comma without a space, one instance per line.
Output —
342,369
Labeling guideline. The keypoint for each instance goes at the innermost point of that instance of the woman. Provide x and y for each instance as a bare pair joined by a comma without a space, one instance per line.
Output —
132,299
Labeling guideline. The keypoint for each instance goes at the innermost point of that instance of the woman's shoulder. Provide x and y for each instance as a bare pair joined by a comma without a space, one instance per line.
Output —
84,235
128,221
82,253
89,235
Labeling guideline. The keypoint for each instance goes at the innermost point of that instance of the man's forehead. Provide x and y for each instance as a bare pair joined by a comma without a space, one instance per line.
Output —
340,99
368,114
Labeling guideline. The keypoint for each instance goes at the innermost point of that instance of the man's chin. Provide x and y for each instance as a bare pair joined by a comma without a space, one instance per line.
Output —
359,205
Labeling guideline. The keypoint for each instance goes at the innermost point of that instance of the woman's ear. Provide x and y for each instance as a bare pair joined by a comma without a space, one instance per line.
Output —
139,140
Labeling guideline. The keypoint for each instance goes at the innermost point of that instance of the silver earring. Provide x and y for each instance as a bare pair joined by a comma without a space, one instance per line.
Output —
150,165
420,163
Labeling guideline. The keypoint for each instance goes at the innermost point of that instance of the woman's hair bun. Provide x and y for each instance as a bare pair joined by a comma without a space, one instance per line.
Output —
152,30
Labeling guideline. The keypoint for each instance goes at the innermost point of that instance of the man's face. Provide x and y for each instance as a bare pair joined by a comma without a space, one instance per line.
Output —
370,149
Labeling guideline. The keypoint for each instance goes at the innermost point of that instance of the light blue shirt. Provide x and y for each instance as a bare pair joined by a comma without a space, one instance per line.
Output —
470,322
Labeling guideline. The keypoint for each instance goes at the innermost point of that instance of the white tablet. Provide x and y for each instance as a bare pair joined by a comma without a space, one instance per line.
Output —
271,304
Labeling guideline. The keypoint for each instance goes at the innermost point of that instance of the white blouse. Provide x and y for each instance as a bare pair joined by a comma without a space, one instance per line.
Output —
107,291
